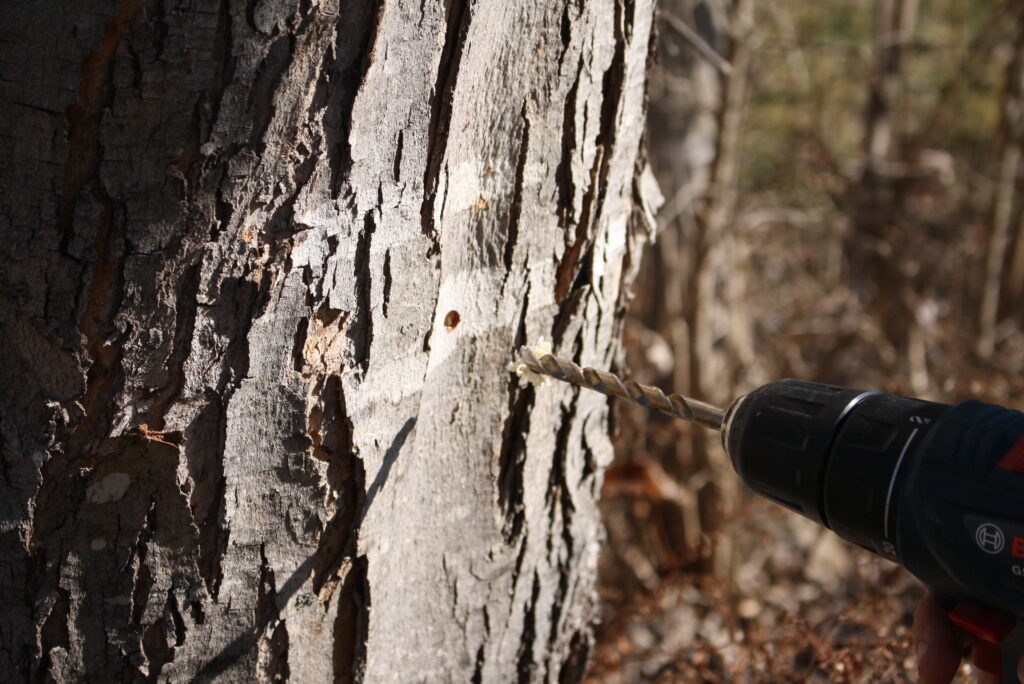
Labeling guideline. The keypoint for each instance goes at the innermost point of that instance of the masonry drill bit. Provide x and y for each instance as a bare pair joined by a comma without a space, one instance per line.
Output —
649,397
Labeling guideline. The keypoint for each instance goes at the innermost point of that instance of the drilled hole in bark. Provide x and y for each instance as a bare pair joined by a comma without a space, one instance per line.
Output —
451,320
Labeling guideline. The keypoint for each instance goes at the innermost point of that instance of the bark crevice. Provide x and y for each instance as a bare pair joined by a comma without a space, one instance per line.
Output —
270,630
331,431
185,321
527,665
458,16
515,211
344,78
360,329
511,459
351,624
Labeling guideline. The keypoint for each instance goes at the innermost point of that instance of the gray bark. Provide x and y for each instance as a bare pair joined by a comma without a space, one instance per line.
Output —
263,265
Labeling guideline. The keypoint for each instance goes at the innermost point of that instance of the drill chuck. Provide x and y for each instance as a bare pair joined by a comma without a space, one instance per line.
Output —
830,453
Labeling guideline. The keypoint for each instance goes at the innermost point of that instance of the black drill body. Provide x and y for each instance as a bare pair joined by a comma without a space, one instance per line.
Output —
939,489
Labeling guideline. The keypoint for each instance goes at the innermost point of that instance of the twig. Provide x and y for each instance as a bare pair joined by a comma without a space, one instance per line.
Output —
699,44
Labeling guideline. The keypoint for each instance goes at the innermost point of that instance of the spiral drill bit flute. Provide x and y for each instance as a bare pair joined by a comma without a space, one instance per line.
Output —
538,361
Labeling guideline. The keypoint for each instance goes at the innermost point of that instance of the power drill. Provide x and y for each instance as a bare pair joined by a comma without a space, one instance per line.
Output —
936,488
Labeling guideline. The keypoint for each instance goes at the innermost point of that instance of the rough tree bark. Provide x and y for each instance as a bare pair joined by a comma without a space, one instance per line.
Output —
263,264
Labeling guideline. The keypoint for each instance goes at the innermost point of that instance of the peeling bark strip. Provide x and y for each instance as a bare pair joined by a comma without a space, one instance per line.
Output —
263,264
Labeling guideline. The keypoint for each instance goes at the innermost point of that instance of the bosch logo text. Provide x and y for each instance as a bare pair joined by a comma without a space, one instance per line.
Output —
989,538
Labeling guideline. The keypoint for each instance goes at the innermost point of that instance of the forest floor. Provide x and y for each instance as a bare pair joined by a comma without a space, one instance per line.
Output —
803,606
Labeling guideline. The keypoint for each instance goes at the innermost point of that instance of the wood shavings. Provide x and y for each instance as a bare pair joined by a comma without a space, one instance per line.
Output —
519,368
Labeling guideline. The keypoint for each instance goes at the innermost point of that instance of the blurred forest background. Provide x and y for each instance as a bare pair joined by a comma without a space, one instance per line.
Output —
843,204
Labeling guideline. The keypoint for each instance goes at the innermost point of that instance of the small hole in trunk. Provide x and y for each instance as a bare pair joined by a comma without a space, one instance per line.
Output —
451,320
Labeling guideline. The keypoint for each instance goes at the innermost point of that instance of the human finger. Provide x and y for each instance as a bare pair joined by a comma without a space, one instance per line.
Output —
937,642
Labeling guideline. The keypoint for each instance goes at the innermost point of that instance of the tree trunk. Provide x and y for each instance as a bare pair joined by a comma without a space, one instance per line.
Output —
263,267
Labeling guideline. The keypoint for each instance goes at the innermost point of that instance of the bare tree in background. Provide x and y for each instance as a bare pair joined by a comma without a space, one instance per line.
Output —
877,194
690,281
263,266
1003,205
